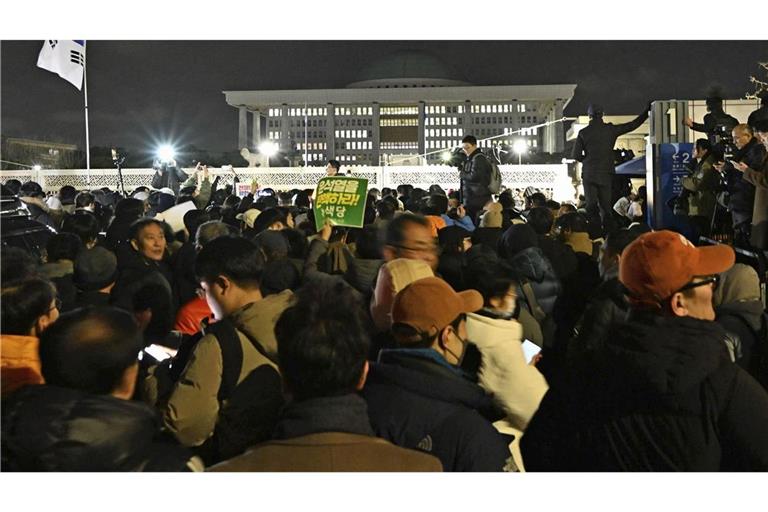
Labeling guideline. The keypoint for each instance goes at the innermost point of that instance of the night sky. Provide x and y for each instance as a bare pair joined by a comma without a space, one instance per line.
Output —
142,92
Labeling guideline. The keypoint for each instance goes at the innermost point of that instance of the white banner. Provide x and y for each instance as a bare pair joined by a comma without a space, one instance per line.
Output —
65,58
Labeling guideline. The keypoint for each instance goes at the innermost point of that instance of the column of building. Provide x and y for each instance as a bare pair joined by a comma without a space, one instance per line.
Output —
376,134
242,128
255,129
330,132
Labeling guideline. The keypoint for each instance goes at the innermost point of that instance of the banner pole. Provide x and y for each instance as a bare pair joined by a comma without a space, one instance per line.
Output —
87,133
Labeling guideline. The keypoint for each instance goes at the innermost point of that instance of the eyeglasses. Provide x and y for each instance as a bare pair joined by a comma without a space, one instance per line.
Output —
714,280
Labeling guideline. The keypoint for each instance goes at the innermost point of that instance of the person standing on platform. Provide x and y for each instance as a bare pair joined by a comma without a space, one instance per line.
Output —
475,178
594,149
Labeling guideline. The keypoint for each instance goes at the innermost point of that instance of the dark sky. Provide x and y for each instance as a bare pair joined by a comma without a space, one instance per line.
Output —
141,92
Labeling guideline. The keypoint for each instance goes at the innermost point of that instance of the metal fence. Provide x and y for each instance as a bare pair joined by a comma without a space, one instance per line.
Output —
553,180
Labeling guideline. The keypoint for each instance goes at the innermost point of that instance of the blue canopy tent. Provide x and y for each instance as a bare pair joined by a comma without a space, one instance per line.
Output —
634,167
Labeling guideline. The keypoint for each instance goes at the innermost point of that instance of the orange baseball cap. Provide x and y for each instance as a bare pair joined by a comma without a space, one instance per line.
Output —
659,263
430,304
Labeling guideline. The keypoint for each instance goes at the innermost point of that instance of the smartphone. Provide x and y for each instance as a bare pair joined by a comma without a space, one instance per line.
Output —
160,353
530,349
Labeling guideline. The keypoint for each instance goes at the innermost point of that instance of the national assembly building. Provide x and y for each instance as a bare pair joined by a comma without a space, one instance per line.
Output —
403,107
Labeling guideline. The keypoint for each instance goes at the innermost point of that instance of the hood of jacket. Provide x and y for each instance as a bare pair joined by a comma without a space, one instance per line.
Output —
664,355
751,311
257,320
47,428
532,264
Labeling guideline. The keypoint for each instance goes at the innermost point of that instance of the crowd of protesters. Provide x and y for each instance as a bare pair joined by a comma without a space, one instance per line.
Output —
455,331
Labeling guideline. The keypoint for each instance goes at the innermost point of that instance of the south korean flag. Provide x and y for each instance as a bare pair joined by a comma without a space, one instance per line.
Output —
65,58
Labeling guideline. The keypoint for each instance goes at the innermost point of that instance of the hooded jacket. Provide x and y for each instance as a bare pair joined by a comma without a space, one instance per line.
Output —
516,386
48,428
419,402
532,265
193,407
663,396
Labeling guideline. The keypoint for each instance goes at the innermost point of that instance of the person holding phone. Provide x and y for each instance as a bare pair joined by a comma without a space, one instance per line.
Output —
758,177
741,204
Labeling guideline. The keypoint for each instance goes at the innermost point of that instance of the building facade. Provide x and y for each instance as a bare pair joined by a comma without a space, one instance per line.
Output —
406,109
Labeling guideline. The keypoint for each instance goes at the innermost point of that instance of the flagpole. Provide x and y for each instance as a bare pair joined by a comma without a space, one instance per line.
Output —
87,134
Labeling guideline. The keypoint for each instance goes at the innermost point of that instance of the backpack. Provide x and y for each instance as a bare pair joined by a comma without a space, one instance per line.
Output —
494,183
249,410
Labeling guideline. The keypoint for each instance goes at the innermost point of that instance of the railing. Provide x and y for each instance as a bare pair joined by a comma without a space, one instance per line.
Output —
553,180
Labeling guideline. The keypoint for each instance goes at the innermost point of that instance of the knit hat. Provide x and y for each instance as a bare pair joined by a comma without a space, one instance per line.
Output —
492,218
429,305
658,264
249,217
95,269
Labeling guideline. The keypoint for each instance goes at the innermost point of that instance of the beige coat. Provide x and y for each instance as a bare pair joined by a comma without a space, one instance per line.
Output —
330,451
192,409
759,178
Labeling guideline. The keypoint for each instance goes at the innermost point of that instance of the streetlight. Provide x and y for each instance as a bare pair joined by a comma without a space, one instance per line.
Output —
447,156
37,168
520,147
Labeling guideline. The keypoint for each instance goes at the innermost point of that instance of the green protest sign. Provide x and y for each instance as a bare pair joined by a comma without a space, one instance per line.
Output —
342,200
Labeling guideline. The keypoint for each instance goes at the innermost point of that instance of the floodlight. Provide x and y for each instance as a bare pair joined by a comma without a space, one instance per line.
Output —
268,149
37,168
166,153
520,146
447,156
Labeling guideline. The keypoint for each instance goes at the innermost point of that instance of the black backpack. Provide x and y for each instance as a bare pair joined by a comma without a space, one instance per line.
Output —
494,183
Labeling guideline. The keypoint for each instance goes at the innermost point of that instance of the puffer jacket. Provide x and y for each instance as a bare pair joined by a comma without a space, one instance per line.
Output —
193,408
662,396
532,265
516,386
419,402
48,428
19,362
475,179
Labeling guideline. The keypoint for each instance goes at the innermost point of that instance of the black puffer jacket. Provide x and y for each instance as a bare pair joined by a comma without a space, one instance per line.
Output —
532,265
664,396
475,179
606,308
47,428
418,403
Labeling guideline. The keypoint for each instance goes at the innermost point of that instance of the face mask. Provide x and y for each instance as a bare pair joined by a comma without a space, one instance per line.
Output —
460,357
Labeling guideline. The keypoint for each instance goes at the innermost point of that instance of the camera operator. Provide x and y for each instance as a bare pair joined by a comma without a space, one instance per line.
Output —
168,174
717,125
750,152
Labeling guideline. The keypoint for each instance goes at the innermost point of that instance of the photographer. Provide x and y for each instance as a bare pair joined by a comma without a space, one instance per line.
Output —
717,124
168,174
